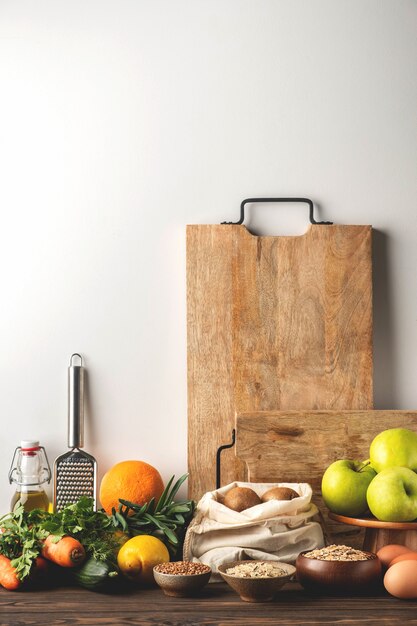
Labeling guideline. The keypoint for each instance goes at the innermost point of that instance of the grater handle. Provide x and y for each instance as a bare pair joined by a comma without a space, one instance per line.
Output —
76,403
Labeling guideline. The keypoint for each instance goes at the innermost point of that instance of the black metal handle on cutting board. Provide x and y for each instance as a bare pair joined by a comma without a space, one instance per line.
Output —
255,200
218,457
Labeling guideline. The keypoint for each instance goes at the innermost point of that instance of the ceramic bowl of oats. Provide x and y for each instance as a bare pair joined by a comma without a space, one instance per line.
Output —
339,569
256,581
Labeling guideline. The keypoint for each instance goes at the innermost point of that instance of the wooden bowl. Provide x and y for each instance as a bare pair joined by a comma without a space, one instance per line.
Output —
379,534
340,577
181,585
256,589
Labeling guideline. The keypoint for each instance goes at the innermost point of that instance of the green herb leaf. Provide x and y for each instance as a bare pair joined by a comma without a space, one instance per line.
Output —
164,497
177,486
122,520
165,519
171,536
179,508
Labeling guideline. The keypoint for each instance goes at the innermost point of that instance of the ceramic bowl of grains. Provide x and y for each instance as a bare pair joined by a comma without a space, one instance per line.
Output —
256,581
181,578
339,569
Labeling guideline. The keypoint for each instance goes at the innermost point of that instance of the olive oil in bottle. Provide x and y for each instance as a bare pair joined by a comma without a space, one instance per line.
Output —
30,500
30,471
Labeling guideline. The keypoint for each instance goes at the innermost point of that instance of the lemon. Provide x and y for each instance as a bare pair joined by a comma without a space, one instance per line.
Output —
138,556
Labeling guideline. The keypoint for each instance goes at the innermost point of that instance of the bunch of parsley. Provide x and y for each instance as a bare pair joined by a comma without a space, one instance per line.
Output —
21,539
93,529
24,532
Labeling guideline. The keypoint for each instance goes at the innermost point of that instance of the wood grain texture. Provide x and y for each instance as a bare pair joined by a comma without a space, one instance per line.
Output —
302,320
379,534
372,522
273,323
377,538
209,360
297,446
217,605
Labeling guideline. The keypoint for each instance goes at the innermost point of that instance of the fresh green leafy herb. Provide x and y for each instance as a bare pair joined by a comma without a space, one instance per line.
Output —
165,519
21,540
93,529
24,532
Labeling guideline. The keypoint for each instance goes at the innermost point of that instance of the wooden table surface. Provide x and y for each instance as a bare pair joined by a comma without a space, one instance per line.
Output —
217,604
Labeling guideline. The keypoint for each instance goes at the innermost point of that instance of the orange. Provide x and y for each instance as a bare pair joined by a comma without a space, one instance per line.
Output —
135,481
138,556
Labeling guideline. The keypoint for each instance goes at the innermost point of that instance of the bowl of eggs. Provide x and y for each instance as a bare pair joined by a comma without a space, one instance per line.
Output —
340,570
400,565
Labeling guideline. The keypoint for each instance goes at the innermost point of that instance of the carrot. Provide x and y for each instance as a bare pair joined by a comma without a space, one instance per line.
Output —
8,576
41,565
67,552
40,569
39,574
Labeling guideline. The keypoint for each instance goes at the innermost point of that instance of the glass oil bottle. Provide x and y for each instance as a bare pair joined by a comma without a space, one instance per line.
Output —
29,471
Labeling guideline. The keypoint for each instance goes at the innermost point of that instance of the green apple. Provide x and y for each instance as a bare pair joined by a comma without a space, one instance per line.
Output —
344,485
392,495
396,447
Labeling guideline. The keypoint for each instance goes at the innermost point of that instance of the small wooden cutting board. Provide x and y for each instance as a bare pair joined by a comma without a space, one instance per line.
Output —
298,446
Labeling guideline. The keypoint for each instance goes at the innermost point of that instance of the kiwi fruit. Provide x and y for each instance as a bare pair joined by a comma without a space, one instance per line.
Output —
241,498
280,493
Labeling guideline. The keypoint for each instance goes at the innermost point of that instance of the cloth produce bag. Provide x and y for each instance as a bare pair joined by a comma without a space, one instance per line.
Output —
277,530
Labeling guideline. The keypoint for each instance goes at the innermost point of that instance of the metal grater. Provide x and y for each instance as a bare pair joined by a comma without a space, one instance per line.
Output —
75,472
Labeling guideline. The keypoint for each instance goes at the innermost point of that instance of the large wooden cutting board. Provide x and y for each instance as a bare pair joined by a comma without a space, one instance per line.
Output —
272,323
298,446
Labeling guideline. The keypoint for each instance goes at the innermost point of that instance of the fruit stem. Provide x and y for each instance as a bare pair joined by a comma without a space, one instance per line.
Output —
364,464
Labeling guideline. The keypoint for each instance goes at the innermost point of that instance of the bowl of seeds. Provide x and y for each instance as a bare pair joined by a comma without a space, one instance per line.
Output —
339,569
256,581
181,578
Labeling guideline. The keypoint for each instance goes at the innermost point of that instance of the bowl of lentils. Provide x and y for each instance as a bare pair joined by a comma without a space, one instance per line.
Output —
339,569
181,578
256,581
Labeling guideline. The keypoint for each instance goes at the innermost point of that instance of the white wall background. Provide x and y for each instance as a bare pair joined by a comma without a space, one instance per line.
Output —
123,120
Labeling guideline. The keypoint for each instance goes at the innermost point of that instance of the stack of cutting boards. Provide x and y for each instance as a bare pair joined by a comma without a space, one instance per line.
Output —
277,324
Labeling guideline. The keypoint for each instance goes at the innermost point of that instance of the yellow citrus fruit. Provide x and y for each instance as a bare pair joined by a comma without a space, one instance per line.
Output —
138,556
135,481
